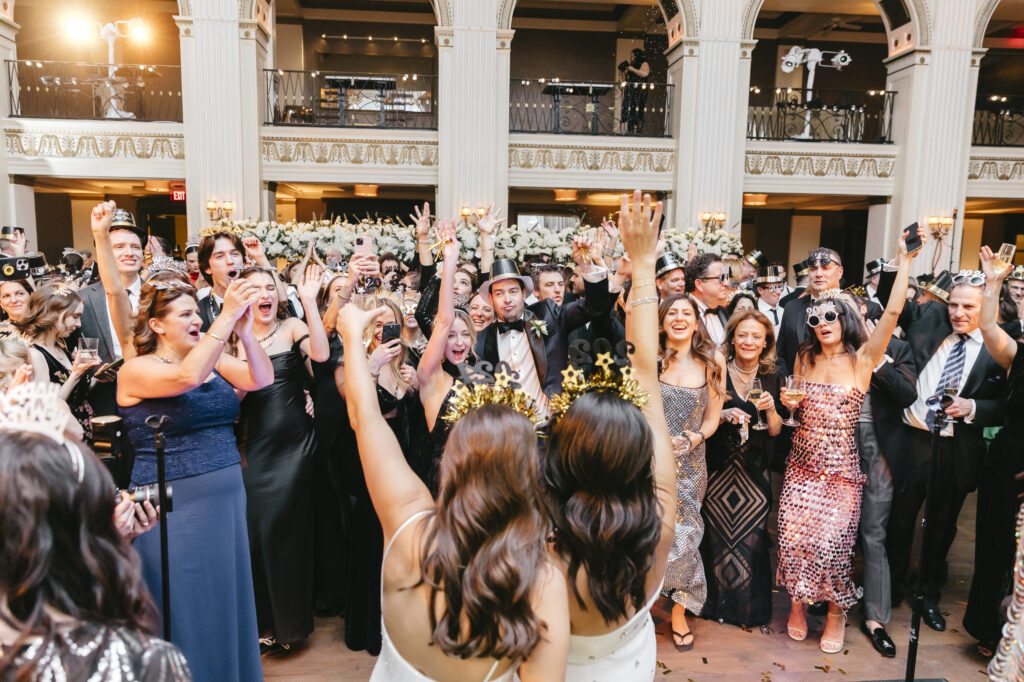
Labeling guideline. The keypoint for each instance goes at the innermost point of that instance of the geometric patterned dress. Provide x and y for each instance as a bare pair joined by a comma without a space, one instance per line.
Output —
819,510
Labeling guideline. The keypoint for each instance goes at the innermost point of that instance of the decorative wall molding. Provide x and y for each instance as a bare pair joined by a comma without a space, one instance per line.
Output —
825,167
605,163
326,155
88,148
996,172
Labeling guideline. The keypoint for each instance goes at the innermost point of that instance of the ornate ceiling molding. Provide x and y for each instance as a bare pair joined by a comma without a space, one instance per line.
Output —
94,145
998,169
357,152
847,165
537,157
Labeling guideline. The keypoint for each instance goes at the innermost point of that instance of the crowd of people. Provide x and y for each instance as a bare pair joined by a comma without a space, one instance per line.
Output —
491,469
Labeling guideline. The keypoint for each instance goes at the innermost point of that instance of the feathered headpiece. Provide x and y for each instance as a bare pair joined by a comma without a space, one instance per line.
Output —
479,387
611,373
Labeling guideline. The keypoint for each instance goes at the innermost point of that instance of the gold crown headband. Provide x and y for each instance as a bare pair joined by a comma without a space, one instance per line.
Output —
607,375
478,388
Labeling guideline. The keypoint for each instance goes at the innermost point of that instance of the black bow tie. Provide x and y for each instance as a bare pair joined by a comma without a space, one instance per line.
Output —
518,325
713,311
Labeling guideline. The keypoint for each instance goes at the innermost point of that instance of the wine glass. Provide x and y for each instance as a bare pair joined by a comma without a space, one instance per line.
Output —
756,391
795,392
1004,259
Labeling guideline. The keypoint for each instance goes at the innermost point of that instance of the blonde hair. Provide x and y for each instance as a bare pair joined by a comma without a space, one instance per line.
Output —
392,368
13,354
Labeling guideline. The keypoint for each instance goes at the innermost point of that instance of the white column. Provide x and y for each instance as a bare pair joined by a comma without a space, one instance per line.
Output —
23,210
877,242
804,236
220,61
683,67
932,125
8,30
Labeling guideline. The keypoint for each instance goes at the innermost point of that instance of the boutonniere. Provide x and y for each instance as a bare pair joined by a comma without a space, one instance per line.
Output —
539,327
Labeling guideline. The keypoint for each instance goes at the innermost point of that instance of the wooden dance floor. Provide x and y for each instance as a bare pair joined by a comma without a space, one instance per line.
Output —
725,652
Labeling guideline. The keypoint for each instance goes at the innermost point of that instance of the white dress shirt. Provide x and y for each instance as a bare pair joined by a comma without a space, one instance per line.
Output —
763,306
711,322
133,297
928,381
514,348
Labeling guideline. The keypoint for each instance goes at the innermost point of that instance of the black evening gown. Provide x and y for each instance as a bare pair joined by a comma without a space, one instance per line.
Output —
996,543
78,400
278,447
736,541
333,436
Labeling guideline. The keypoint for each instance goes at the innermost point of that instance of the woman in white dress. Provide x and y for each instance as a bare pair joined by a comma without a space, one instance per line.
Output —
610,478
468,589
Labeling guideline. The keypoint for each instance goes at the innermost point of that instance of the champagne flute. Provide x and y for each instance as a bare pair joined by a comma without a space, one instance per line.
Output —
756,391
1004,259
795,392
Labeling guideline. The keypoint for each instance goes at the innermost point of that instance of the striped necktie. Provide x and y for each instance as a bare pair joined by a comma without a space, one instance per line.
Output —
951,375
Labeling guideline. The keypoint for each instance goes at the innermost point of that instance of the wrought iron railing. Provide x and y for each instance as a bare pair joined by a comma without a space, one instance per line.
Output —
334,99
999,121
137,92
555,106
821,115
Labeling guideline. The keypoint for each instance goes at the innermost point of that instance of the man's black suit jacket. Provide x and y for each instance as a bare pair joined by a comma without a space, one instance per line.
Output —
551,352
96,325
893,388
792,332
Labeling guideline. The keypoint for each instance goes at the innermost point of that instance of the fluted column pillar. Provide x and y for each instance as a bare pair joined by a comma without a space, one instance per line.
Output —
8,30
932,124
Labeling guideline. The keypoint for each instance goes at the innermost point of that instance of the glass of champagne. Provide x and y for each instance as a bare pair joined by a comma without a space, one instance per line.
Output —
756,391
1004,259
795,392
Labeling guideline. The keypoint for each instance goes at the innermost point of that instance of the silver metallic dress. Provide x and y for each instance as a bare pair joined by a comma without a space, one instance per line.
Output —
684,577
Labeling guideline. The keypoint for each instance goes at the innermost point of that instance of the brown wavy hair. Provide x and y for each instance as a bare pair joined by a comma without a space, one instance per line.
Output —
853,335
701,345
61,550
766,361
44,309
486,550
602,498
153,304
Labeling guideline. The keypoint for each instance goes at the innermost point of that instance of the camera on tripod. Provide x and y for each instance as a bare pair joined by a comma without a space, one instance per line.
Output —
111,444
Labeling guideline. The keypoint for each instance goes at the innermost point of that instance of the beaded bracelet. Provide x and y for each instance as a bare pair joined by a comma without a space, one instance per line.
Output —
641,301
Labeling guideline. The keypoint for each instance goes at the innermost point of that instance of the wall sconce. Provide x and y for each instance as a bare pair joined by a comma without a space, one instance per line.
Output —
219,211
481,211
939,227
711,220
466,211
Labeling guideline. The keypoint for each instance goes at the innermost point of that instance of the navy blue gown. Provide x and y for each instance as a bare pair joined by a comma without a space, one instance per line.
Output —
213,610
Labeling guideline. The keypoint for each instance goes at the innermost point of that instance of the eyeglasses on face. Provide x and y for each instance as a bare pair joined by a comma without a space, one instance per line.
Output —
821,262
723,278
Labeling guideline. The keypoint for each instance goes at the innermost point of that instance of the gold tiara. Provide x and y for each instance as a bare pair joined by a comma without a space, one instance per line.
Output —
475,390
827,295
607,374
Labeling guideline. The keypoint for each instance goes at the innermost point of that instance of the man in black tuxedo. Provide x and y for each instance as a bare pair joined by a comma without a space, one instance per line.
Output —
949,354
219,254
824,271
534,340
705,283
90,273
800,270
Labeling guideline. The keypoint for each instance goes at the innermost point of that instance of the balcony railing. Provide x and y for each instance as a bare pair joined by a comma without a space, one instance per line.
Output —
80,90
346,100
821,115
999,121
577,108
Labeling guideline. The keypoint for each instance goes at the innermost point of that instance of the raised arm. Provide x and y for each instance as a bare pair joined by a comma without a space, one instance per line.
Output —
256,371
396,491
487,223
421,223
639,234
146,377
999,344
254,252
316,347
117,298
433,356
872,352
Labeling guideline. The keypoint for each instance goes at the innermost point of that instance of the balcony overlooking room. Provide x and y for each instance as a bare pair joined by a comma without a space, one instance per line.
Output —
597,69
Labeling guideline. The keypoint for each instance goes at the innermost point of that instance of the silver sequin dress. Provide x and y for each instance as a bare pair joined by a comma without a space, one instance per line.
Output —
819,510
684,577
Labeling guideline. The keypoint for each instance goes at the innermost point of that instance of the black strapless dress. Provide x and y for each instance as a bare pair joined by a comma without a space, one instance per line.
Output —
278,445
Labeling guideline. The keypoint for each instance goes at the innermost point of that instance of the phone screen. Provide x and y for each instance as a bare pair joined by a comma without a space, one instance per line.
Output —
912,239
390,332
363,245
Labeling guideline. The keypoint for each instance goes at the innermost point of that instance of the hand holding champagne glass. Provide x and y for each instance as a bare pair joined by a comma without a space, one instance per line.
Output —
1004,259
792,395
756,391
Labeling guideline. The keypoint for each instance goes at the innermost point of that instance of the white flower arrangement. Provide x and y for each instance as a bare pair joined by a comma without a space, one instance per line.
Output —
719,242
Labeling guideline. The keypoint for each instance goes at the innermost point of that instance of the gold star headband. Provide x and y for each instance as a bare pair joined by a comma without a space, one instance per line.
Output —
607,375
475,391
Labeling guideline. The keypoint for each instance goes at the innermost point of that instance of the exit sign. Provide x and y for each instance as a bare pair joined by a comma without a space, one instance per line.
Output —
177,191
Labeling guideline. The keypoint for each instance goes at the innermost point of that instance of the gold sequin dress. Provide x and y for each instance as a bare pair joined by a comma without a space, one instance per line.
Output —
684,576
820,505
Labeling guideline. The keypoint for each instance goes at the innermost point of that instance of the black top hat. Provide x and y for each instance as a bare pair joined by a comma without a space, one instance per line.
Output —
874,267
506,268
8,232
1017,273
124,220
801,269
754,258
667,263
941,285
773,274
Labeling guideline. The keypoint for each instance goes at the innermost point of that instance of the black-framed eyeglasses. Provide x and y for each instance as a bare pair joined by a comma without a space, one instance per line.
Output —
821,262
723,278
972,277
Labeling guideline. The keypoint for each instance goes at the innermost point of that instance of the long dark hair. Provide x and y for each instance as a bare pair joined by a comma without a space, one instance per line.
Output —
61,551
601,496
486,549
853,336
701,345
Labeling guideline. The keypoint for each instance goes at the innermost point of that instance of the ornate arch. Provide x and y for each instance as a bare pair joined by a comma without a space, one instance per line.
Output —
981,22
920,21
680,17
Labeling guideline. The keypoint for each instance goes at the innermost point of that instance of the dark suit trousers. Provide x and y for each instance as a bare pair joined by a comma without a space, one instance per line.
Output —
874,515
907,502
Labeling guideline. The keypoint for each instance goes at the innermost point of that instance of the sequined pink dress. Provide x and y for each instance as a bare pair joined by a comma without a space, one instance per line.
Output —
820,505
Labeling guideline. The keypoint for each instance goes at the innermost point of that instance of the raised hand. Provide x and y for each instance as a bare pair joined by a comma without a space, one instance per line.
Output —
254,249
155,250
638,226
353,321
489,220
309,282
582,252
901,245
243,325
988,258
421,219
612,230
239,297
383,354
102,216
444,233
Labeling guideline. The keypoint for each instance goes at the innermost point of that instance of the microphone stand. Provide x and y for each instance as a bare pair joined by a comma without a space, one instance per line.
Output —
933,467
156,422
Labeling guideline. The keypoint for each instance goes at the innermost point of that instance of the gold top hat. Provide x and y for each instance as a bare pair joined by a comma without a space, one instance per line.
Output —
754,258
506,268
1017,273
773,274
8,231
667,263
940,286
801,269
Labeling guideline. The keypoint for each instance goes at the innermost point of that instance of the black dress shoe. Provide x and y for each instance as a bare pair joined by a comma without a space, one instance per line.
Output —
880,640
932,616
